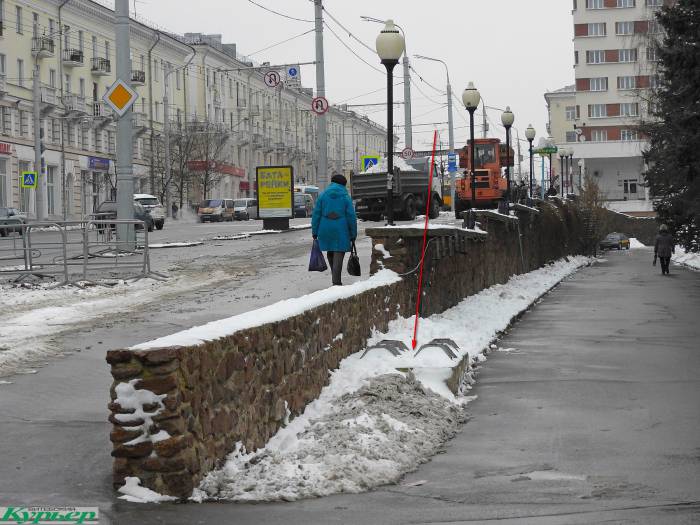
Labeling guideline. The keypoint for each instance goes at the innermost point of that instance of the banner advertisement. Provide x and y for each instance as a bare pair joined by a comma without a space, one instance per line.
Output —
275,185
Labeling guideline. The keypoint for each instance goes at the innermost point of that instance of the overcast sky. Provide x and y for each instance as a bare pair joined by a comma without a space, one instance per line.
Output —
513,50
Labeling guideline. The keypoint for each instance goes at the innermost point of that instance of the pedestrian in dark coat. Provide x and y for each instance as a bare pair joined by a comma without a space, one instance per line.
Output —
664,247
334,224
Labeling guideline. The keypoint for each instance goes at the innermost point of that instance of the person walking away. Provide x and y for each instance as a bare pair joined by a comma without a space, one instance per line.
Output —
174,209
334,224
664,247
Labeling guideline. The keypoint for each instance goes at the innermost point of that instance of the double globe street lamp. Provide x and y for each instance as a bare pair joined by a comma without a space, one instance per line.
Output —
390,46
471,98
530,136
507,119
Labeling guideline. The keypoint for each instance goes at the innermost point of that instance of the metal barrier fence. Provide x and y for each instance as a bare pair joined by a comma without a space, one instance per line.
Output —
74,252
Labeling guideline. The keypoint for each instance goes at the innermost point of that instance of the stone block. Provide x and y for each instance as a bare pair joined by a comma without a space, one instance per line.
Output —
164,464
126,371
169,447
120,435
139,450
157,356
158,384
119,356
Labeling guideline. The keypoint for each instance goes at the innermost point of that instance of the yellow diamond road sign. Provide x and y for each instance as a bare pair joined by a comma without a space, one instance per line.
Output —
120,97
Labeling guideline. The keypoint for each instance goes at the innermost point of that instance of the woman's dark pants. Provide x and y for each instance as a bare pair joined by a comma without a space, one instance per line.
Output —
335,261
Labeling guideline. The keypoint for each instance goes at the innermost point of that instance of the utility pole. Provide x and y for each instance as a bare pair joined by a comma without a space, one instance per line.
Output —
322,166
125,176
451,130
408,130
485,124
40,197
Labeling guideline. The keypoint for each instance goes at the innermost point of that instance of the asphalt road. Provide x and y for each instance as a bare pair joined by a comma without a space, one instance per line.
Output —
591,418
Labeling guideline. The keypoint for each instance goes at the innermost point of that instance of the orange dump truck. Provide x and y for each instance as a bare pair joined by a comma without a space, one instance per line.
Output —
491,185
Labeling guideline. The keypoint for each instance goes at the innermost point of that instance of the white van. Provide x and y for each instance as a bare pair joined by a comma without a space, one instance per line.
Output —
244,209
153,207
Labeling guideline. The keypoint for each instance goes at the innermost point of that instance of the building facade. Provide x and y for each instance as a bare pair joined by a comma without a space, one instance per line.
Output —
223,119
615,69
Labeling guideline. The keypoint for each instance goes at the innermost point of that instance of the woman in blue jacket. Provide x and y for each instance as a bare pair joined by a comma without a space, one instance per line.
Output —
334,224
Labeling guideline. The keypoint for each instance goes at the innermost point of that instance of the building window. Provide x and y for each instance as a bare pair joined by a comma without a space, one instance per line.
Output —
595,57
654,81
52,78
629,109
655,3
625,3
24,123
94,47
597,110
570,136
626,83
4,196
18,13
67,85
629,186
570,112
155,70
576,58
595,4
81,84
597,29
652,54
107,54
81,40
629,135
177,79
654,27
157,112
20,72
599,84
624,28
599,135
51,189
627,55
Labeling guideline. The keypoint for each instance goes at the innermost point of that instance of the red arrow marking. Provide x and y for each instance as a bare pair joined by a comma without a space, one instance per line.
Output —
425,236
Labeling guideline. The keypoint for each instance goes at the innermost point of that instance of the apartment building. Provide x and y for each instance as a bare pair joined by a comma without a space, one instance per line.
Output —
614,67
209,88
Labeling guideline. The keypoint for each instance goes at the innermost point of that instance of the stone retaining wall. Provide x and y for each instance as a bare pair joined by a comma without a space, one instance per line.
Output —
177,412
643,228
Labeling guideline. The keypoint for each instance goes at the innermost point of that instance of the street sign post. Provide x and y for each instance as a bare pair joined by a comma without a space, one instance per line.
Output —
547,150
368,161
120,97
408,153
275,188
28,180
319,105
451,162
272,79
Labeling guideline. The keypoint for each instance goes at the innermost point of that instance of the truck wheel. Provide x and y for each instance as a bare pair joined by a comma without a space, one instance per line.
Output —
410,208
434,207
459,208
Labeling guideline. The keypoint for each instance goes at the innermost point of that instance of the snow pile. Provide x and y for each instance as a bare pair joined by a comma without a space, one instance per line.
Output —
689,259
381,166
268,314
373,437
371,425
634,243
134,492
129,397
176,244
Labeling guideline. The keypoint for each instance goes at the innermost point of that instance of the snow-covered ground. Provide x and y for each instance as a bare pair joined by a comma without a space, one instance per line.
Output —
32,317
691,260
635,244
372,424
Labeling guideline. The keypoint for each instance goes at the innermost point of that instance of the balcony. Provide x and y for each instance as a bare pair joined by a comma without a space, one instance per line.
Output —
257,139
73,57
279,146
48,95
138,78
267,145
43,46
74,103
254,110
241,103
140,122
100,109
267,114
100,67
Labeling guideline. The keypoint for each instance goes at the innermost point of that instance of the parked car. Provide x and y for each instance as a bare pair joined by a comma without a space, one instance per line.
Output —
244,209
216,210
303,205
616,241
154,207
108,211
11,220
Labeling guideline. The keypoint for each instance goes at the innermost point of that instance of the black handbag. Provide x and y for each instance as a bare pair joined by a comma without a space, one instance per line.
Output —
354,262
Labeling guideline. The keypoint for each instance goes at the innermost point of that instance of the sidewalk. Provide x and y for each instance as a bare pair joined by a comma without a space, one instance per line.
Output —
591,416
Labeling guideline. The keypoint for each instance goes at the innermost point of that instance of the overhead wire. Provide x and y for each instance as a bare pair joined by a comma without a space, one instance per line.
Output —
278,13
281,42
350,49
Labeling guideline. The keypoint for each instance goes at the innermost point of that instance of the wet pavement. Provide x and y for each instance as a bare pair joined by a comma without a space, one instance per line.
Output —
590,417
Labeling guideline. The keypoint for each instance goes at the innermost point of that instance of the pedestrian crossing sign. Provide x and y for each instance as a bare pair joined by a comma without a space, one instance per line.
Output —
368,161
28,180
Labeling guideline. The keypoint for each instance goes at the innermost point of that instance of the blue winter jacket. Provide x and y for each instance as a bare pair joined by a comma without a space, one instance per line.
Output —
334,220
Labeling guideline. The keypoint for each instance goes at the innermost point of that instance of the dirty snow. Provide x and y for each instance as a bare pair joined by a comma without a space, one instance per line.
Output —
176,244
33,317
373,424
134,492
274,312
689,259
399,163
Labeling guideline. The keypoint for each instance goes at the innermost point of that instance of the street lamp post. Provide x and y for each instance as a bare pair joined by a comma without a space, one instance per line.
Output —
390,46
569,171
450,126
507,119
580,174
530,136
471,98
562,156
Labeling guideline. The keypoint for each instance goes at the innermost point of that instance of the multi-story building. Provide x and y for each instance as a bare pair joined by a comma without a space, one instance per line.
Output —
615,67
211,92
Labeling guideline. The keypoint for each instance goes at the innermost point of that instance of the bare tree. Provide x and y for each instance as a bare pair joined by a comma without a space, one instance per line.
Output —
209,149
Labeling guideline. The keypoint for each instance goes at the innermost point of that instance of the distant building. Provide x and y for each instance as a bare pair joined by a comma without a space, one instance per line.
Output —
615,69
